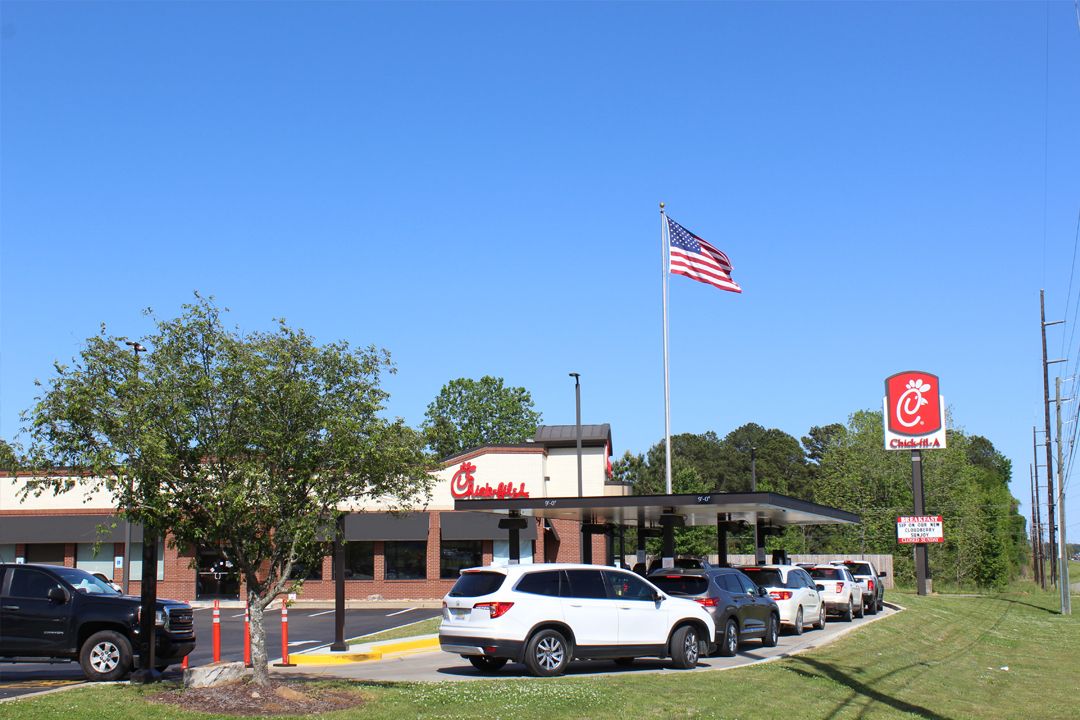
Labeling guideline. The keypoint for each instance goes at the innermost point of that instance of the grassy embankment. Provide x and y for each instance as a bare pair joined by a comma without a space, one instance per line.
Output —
421,627
946,657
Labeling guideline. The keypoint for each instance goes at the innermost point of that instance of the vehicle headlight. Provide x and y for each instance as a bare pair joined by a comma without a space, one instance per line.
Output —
160,617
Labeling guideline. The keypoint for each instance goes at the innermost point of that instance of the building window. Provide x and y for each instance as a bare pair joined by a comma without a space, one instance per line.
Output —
500,550
455,555
136,561
360,560
405,559
45,553
7,552
93,558
310,569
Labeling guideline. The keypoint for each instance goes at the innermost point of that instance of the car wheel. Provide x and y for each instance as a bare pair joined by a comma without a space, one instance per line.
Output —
105,656
799,628
880,605
772,632
547,653
729,645
624,662
487,664
820,624
848,613
860,610
684,647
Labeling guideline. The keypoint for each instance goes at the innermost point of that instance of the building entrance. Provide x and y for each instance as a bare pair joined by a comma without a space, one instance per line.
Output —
217,578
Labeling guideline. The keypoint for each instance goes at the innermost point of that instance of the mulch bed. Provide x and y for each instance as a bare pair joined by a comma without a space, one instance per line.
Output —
279,698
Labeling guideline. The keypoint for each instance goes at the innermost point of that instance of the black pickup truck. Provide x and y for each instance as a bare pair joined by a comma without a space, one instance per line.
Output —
52,613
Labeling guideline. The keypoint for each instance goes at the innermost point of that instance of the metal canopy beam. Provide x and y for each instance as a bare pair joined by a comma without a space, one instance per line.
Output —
646,510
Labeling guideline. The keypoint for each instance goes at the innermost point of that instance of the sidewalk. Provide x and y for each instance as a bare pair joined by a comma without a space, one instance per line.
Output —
364,652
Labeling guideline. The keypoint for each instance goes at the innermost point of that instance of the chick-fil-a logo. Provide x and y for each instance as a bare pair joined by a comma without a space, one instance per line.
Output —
463,485
913,400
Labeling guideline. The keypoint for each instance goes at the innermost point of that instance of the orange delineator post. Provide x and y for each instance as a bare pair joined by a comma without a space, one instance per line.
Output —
247,636
284,636
184,663
217,632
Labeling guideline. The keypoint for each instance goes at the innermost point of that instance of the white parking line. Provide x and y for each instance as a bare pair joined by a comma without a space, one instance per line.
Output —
399,612
324,612
302,642
236,616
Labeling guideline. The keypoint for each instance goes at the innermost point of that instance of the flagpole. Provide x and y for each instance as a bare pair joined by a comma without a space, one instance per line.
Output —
664,255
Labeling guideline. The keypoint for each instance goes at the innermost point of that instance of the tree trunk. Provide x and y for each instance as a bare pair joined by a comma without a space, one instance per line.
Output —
259,659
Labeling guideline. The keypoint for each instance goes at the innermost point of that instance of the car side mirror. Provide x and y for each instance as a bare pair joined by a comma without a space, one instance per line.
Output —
821,588
883,574
657,597
762,592
57,595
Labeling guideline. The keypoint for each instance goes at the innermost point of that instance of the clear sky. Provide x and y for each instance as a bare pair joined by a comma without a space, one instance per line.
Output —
475,188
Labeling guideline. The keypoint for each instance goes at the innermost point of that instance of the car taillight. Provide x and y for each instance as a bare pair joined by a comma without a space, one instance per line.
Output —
496,609
780,594
707,602
870,584
839,588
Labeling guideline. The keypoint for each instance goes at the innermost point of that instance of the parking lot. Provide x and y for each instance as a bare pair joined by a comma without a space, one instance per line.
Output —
441,666
307,629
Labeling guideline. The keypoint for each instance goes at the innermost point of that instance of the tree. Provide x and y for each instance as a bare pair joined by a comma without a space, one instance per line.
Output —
469,413
9,460
251,442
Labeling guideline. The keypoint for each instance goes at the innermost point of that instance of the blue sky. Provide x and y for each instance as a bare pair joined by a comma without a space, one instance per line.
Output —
475,188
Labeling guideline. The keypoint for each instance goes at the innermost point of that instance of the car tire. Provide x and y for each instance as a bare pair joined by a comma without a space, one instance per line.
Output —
849,612
547,653
729,644
487,664
624,662
105,656
860,610
772,631
820,624
684,647
880,604
871,607
799,627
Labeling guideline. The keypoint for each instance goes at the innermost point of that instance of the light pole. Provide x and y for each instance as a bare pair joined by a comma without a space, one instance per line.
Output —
577,398
137,348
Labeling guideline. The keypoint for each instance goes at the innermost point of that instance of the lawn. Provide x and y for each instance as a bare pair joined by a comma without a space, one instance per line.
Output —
420,627
1003,656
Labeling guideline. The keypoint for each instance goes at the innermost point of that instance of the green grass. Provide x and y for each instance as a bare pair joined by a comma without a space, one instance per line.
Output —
942,658
421,627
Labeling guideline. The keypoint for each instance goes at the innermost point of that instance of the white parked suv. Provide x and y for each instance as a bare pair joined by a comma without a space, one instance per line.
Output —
843,594
795,593
548,614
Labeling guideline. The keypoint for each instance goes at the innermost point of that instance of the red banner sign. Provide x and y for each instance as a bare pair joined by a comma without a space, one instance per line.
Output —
463,486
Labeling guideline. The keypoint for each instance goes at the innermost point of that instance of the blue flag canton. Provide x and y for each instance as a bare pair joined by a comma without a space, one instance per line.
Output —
682,238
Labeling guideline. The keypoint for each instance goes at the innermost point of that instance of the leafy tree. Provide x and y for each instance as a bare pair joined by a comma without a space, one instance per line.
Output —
9,460
469,413
821,438
247,441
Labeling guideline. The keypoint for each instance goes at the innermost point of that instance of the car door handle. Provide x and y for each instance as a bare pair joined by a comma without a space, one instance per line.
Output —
625,607
575,604
9,607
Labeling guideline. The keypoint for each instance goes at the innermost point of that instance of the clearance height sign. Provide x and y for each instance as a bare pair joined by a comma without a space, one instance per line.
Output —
913,529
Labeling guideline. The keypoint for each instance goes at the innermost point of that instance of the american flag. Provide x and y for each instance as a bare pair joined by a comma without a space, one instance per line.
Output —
698,260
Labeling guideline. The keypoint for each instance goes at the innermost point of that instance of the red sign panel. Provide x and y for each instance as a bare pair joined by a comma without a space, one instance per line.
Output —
463,485
913,403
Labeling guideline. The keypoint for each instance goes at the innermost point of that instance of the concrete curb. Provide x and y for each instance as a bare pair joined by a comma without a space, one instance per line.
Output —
368,651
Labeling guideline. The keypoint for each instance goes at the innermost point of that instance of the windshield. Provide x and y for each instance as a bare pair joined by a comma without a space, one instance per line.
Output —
84,582
764,577
680,584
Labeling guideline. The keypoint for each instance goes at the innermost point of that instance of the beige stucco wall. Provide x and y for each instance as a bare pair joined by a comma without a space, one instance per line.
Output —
79,497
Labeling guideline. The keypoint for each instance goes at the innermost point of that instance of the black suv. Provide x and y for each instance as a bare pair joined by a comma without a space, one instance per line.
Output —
48,612
740,608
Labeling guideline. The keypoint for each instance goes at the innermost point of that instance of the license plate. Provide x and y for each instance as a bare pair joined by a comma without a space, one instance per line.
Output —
459,613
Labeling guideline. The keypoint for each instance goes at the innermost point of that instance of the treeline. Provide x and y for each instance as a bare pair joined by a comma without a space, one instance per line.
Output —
846,466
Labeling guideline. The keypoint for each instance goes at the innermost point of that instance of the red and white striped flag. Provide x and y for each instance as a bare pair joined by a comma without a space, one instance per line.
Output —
698,260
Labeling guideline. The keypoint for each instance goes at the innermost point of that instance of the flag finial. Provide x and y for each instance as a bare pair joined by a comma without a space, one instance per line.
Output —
661,204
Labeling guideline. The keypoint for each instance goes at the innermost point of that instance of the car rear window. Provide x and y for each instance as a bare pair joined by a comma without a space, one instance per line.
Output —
825,574
541,583
475,584
764,577
680,584
858,568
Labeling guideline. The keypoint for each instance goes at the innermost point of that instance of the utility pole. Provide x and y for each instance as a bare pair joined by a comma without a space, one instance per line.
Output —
1038,512
1063,556
1036,567
1050,527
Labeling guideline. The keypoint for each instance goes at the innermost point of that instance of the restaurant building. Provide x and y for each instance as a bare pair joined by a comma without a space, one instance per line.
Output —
416,555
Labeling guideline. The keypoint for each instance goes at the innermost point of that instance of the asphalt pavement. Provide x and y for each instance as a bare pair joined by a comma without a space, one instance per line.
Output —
307,629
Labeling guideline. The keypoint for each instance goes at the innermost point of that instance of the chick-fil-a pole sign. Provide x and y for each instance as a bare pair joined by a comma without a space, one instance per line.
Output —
463,485
914,411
